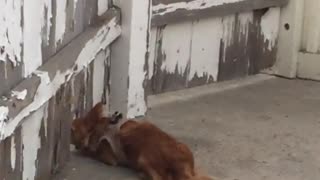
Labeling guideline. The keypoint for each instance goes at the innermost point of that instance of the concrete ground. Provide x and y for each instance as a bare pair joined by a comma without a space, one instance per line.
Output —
268,130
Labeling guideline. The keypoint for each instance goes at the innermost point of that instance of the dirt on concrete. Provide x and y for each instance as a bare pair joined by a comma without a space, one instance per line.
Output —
265,131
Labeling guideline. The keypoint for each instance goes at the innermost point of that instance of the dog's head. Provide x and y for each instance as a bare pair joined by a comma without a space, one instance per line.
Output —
82,127
93,125
115,118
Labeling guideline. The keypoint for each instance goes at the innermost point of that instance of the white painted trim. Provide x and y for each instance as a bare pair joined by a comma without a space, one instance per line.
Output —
128,54
191,93
309,66
289,40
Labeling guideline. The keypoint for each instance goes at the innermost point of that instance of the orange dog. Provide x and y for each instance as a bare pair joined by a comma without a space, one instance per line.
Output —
158,155
137,144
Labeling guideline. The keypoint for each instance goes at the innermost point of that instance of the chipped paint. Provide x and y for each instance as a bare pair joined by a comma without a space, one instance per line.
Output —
20,95
46,21
270,26
48,87
162,9
204,58
10,31
103,38
33,17
176,47
140,29
60,20
31,143
234,46
13,153
229,25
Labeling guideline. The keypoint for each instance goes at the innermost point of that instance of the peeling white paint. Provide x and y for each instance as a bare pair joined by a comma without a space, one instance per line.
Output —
184,43
75,2
270,26
176,45
228,26
140,28
31,143
33,20
60,20
20,95
162,9
205,48
153,51
46,22
11,31
102,39
102,6
245,20
98,77
13,153
48,88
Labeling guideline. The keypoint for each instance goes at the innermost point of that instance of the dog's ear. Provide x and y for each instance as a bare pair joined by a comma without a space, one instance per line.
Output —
116,117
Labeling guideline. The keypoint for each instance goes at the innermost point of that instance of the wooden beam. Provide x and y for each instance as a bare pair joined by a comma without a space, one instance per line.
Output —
165,12
33,92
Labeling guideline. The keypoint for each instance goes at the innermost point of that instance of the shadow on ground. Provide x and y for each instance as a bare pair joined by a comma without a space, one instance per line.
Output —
265,131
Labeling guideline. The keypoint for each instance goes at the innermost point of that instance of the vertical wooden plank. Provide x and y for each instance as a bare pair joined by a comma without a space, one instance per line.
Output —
44,156
172,59
130,58
52,126
268,33
2,160
234,52
107,76
15,155
153,42
31,143
11,156
32,32
98,77
205,51
139,52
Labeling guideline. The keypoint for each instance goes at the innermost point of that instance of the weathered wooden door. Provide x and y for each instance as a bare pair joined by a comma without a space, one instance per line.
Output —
309,56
